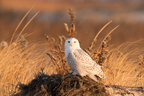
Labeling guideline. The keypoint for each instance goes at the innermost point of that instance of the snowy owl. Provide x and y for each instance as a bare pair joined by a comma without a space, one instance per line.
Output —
80,62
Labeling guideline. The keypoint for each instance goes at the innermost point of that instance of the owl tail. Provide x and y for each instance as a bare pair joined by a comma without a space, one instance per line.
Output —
92,76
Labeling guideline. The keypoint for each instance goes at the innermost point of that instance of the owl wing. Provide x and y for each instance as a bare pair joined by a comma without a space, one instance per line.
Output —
82,57
87,63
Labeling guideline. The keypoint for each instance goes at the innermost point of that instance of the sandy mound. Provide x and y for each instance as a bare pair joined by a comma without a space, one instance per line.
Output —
58,85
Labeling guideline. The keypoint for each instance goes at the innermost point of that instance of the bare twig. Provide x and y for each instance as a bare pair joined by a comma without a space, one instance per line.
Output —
95,39
28,23
20,24
71,29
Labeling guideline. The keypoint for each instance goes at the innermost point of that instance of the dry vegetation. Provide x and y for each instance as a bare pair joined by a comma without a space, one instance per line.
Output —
20,60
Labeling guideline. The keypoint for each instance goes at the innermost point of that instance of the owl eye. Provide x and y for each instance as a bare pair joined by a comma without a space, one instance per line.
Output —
74,41
68,41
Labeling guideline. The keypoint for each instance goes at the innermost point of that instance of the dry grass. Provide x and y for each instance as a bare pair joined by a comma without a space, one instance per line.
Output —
20,61
124,67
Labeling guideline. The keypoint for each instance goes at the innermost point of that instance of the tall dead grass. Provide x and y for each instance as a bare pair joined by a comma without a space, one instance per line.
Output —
20,61
124,65
19,64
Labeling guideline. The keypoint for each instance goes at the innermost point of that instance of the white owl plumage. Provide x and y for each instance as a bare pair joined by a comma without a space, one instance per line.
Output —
80,62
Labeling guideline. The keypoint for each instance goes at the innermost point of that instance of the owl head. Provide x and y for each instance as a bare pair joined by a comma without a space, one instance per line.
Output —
72,43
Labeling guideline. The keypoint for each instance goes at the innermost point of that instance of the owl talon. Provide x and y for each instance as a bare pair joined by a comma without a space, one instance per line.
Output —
74,73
